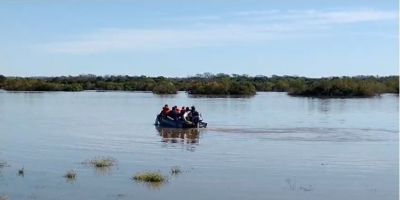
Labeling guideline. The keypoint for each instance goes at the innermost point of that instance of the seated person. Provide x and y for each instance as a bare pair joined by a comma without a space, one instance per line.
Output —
165,110
187,115
183,110
174,113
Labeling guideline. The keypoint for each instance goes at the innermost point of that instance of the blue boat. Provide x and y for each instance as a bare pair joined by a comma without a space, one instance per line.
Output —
168,122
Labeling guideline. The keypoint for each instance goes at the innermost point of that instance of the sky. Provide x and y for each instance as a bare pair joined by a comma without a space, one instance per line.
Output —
179,38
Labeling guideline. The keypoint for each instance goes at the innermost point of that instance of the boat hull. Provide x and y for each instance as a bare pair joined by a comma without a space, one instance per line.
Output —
168,122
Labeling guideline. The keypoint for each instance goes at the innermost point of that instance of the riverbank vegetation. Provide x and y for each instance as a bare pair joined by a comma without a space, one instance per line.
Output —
344,87
212,84
165,87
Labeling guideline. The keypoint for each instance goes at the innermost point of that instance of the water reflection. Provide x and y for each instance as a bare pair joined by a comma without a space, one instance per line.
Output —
104,171
152,185
219,96
174,135
320,105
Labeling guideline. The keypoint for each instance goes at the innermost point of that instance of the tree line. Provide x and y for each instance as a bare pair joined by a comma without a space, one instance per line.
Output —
212,84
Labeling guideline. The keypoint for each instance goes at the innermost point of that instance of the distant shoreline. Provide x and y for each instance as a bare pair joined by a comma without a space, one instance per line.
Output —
218,85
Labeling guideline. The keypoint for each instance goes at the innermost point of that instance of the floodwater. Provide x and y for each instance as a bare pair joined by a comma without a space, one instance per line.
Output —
270,146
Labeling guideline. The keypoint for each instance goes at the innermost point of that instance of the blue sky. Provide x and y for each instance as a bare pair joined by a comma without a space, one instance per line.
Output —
180,38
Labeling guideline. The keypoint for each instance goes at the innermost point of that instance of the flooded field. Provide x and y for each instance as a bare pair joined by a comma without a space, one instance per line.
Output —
270,146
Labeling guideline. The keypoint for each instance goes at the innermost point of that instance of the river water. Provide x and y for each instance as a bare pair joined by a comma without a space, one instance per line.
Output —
270,146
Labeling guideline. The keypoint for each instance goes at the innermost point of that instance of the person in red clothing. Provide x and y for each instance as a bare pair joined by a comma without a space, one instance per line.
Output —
165,110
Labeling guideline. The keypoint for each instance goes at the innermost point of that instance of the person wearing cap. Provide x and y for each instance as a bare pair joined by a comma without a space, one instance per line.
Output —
194,115
194,112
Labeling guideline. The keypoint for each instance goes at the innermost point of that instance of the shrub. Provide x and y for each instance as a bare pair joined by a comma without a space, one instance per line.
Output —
165,87
150,177
101,162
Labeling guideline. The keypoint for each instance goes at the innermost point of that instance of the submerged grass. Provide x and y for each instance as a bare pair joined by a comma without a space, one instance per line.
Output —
70,175
3,164
175,170
102,162
102,165
21,172
150,177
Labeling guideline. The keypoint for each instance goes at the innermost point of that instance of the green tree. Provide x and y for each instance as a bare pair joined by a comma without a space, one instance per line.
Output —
165,87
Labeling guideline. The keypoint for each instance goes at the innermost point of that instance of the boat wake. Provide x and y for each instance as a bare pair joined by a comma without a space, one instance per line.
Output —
312,133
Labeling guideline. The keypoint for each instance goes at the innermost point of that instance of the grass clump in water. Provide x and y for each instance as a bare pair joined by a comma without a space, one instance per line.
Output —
175,170
150,177
3,164
21,172
70,175
102,162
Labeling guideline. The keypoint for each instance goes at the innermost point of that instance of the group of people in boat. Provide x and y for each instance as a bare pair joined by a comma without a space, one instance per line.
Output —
185,113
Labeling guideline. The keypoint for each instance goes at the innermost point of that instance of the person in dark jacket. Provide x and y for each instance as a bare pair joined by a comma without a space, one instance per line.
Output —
194,115
174,113
194,111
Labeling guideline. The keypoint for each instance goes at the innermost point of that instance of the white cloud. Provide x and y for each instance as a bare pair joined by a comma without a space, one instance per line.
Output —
316,16
225,29
340,17
147,39
255,12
